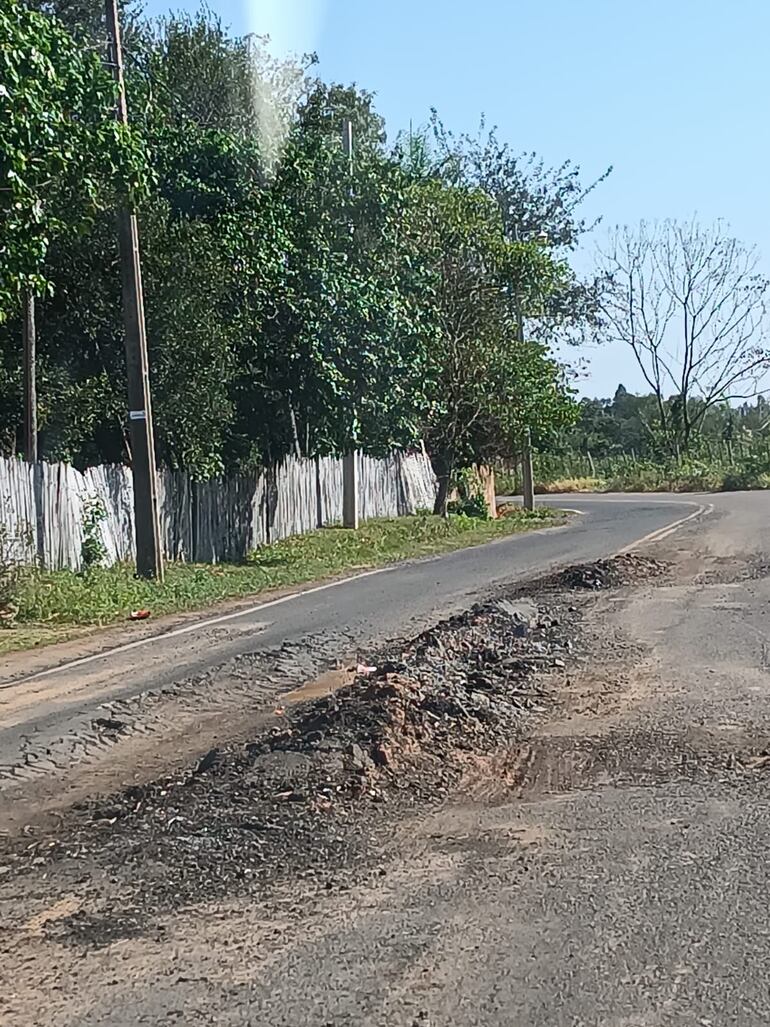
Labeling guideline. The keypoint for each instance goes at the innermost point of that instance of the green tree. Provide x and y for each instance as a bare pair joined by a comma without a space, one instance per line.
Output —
335,356
60,148
294,304
200,233
537,203
486,384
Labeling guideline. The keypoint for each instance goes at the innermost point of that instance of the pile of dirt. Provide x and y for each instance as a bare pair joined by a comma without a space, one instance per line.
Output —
460,686
316,795
625,569
307,797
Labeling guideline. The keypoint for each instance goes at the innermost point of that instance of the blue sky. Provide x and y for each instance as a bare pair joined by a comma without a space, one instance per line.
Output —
673,95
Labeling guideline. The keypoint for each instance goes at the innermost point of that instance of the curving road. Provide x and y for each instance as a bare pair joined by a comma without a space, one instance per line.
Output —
49,699
621,882
371,606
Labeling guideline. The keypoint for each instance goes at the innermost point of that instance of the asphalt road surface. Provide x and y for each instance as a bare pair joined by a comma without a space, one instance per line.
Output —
626,885
622,883
49,700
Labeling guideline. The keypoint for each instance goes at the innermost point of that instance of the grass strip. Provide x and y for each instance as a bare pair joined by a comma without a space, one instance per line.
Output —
54,606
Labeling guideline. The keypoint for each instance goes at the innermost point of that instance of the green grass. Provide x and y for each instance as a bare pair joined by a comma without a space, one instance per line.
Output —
62,604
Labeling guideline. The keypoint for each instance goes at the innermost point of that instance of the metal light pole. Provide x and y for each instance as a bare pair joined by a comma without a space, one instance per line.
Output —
349,459
149,553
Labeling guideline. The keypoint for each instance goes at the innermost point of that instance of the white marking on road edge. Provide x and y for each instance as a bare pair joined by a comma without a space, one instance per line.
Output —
669,529
198,625
209,622
671,498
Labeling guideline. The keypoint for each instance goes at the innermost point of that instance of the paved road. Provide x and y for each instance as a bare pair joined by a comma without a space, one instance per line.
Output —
624,884
636,895
47,712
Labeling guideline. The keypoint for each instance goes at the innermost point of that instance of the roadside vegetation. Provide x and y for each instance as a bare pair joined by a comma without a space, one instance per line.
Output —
303,303
574,473
297,302
688,303
43,607
617,446
641,476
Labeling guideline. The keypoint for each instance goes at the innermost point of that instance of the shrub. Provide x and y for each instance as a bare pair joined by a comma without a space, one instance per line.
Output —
92,549
13,571
571,485
472,506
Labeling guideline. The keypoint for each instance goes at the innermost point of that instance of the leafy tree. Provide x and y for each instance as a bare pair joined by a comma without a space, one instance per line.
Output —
338,357
486,383
294,302
209,176
537,203
84,19
60,147
623,425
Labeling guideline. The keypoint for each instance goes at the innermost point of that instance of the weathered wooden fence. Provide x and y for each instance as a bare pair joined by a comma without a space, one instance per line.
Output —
43,506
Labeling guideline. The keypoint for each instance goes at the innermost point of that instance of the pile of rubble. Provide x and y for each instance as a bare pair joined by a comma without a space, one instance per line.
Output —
625,569
464,684
306,797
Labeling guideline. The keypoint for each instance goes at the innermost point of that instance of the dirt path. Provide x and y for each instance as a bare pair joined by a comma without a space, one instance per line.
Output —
609,869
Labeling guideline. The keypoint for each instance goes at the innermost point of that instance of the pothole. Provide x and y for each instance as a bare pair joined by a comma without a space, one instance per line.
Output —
555,764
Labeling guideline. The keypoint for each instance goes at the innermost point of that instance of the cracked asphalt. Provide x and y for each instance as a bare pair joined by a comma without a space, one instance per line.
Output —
614,873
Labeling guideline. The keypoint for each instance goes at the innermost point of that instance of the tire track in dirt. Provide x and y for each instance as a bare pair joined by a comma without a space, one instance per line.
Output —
243,684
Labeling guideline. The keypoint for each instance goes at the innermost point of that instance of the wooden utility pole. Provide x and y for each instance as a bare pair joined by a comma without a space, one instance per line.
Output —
349,460
30,383
149,553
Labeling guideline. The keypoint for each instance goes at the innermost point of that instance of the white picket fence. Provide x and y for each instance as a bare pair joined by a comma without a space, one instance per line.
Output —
42,506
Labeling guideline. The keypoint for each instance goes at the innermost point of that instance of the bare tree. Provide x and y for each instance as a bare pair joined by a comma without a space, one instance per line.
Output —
690,303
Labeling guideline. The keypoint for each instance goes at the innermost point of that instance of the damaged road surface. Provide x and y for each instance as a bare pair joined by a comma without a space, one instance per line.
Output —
551,808
121,701
305,795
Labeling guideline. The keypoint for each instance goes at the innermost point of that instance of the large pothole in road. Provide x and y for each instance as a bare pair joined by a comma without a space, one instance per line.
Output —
316,796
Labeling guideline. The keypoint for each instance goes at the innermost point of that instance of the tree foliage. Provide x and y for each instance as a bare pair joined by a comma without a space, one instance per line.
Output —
486,382
537,203
627,425
296,302
60,148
